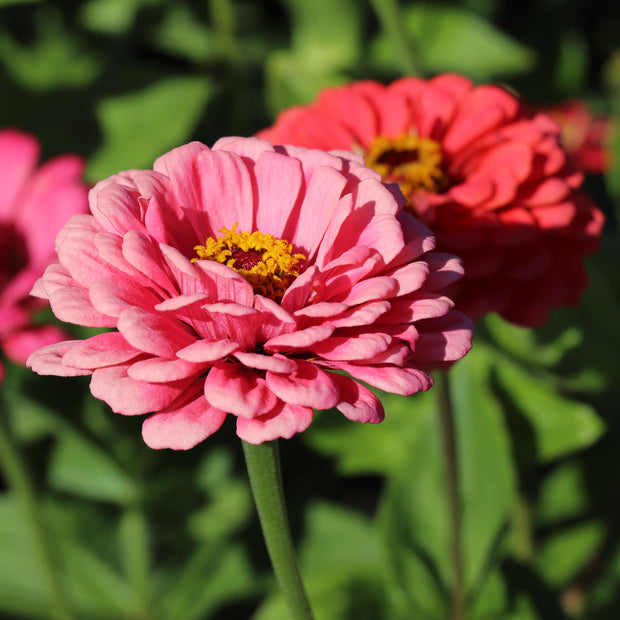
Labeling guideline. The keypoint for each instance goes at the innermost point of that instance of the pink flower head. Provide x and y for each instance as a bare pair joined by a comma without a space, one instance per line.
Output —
34,204
234,279
485,174
586,137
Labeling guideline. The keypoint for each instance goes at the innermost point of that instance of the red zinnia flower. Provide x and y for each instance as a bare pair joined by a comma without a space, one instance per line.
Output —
236,278
485,174
34,204
585,136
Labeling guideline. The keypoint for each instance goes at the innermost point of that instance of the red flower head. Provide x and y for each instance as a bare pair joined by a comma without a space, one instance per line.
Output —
585,136
485,174
34,204
234,279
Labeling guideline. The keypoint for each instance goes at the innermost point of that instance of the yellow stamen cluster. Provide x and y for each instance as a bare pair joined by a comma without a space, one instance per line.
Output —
267,263
412,162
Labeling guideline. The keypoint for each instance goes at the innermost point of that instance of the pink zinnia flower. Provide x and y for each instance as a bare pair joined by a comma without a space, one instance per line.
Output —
586,137
235,278
485,174
34,204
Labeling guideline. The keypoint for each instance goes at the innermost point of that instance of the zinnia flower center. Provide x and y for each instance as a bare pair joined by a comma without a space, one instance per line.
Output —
412,162
267,263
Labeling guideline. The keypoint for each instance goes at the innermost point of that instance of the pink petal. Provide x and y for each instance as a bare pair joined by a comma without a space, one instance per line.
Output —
19,153
181,428
48,360
130,397
301,339
404,381
361,347
357,402
152,333
156,370
18,345
202,351
273,363
107,349
308,386
283,421
238,390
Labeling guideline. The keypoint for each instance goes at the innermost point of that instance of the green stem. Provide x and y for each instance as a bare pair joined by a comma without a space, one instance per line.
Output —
448,436
18,480
263,463
393,24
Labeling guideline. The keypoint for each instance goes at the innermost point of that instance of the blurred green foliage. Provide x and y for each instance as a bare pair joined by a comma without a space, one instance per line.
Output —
138,534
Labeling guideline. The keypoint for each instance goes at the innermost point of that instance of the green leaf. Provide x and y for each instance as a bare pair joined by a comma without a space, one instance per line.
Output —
566,552
485,459
23,588
415,514
372,448
326,33
562,495
79,466
213,575
291,79
559,425
138,127
340,560
325,41
55,59
453,39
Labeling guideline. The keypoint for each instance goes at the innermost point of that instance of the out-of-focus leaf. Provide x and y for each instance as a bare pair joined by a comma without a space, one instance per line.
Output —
111,16
9,2
55,59
415,511
23,587
30,420
450,38
182,35
559,424
81,467
138,127
525,343
291,80
415,522
573,62
487,491
562,495
327,34
227,509
369,448
325,40
567,551
214,574
342,563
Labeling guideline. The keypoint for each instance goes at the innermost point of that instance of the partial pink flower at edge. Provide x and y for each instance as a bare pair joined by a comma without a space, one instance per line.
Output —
488,176
250,280
585,136
35,202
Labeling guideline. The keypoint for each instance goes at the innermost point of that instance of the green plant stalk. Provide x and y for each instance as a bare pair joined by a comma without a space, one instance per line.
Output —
263,464
448,438
389,14
19,481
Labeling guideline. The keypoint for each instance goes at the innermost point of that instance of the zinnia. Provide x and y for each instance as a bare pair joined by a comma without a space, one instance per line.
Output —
34,205
484,173
585,136
235,278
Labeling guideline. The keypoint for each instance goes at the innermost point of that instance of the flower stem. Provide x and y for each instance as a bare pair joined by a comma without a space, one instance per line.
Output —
17,478
263,463
448,437
393,24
